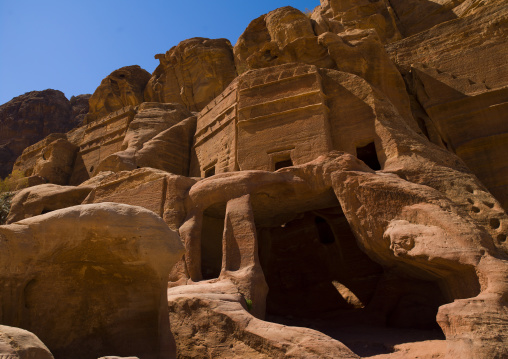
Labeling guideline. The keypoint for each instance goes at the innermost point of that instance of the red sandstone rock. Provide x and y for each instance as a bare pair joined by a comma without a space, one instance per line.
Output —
45,198
192,73
218,315
156,137
51,160
93,279
80,108
17,343
462,88
336,187
29,118
123,87
286,35
346,15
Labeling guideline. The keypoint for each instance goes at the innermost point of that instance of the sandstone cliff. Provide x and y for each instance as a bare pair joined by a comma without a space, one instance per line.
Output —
29,118
123,87
333,186
192,73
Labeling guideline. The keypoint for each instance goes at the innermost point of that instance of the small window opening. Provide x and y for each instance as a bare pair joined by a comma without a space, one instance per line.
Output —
283,163
210,172
368,155
91,169
324,230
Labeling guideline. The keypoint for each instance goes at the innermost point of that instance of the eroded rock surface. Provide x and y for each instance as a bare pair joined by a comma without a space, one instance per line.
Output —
411,217
107,262
464,97
29,118
50,160
286,35
123,87
217,315
192,73
344,196
347,15
156,137
16,343
80,108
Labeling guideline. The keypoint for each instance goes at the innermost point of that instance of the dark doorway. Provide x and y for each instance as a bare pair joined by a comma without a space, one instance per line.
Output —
368,155
319,278
211,243
315,267
324,230
210,172
283,163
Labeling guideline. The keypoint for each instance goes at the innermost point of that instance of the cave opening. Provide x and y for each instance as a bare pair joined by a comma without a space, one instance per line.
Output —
283,163
368,155
211,242
210,172
319,278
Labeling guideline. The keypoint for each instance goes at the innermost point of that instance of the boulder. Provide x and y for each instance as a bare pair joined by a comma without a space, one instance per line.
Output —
218,315
44,198
89,280
16,343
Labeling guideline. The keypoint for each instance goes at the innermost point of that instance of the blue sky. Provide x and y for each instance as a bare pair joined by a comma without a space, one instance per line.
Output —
72,45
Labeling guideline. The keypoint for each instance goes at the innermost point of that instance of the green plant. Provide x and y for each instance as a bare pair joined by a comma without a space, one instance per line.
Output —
16,180
5,205
249,304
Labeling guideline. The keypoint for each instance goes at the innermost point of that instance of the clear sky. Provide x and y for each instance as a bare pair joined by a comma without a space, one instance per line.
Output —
71,45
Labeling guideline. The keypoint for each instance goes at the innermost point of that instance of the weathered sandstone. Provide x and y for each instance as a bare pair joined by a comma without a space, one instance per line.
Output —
415,16
218,314
156,137
312,112
17,343
347,15
99,139
344,196
286,35
192,73
464,97
80,108
158,191
29,118
45,198
50,160
89,280
425,195
123,87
